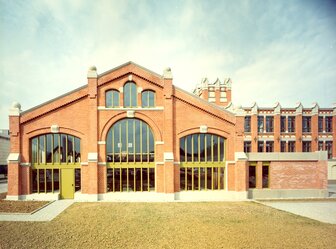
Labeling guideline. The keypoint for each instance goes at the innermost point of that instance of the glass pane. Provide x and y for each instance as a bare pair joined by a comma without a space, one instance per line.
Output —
144,99
152,179
117,182
196,178
182,178
151,145
115,99
41,181
182,149
131,179
209,178
70,156
34,150
63,148
109,145
109,180
215,177
195,147
222,177
130,136
77,150
215,148
202,147
137,141
252,176
127,95
145,183
77,179
49,180
49,148
222,150
134,101
34,180
56,179
189,148
124,180
265,176
151,99
202,177
108,98
189,178
56,149
41,150
123,144
208,148
138,174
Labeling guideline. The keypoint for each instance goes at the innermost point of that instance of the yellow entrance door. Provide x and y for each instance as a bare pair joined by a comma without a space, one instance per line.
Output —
67,183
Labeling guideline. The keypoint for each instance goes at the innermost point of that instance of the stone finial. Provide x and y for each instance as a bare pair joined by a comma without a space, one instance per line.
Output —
15,109
254,108
299,108
92,72
167,73
277,108
315,108
228,83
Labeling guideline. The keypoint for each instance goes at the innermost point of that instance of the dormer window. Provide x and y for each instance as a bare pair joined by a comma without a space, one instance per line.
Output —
112,98
130,95
148,98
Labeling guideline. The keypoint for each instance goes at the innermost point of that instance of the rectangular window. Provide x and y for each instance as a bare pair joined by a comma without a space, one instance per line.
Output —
320,145
269,146
291,146
328,147
291,124
306,124
320,124
212,96
283,124
247,124
252,176
328,124
265,176
269,123
306,146
260,123
247,146
283,146
260,146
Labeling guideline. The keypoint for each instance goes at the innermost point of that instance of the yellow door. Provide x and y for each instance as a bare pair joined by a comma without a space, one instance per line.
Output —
67,183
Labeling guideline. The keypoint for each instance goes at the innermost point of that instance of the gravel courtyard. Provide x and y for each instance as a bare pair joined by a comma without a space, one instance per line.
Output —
170,225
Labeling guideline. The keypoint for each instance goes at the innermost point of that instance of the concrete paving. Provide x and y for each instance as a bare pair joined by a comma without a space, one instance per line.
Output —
3,186
324,211
47,213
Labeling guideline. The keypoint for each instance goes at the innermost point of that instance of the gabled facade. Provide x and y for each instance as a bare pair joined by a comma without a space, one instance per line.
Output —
130,134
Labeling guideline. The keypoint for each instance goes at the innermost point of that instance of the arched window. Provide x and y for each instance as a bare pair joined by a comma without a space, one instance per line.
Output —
148,98
112,98
202,158
130,140
130,94
55,148
130,157
51,154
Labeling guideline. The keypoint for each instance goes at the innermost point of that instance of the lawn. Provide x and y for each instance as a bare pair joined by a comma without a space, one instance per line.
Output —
19,206
170,225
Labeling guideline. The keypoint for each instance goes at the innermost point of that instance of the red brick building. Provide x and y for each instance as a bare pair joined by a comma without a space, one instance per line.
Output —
130,134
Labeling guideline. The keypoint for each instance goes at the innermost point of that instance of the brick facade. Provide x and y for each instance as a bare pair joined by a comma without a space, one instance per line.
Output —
82,113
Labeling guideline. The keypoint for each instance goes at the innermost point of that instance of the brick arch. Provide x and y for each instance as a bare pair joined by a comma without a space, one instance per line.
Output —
211,130
46,130
143,117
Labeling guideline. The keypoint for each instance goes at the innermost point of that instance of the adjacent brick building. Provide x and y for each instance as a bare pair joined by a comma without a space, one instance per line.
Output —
130,134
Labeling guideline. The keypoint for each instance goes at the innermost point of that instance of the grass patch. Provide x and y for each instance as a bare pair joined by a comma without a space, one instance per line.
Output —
170,225
19,206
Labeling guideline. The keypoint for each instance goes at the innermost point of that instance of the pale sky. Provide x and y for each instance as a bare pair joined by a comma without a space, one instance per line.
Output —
272,50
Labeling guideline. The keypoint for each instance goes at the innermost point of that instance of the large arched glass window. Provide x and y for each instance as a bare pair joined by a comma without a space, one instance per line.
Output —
130,140
130,157
202,158
148,98
130,94
112,98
